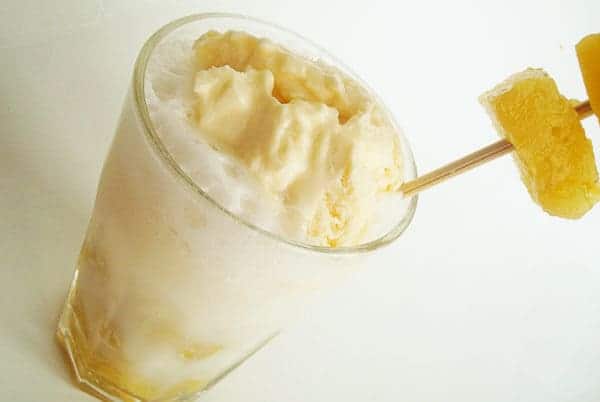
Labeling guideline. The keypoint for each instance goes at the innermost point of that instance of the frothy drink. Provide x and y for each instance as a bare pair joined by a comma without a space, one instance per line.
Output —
245,177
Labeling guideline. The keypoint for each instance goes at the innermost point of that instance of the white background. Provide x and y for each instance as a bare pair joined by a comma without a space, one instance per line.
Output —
485,298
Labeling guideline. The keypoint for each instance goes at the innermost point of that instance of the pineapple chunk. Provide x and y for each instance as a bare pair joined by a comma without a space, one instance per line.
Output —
554,156
588,53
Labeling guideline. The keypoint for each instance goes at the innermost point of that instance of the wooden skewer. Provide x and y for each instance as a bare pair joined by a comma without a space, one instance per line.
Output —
472,160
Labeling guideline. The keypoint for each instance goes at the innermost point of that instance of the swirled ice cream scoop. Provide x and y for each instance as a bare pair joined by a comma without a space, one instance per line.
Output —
315,141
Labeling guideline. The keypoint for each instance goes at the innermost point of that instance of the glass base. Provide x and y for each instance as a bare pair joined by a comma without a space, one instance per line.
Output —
69,331
98,378
86,379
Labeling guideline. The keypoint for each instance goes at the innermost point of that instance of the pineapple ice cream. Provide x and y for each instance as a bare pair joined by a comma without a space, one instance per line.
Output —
317,144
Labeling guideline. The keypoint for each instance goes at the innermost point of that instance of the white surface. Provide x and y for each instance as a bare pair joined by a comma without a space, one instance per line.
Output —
484,299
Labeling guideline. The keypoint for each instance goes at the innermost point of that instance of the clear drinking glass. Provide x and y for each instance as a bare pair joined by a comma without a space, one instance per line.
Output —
172,291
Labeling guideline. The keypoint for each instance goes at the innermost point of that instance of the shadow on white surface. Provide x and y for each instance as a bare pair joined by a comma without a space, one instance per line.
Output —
45,217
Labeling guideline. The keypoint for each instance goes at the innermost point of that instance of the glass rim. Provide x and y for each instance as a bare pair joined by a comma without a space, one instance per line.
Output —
165,156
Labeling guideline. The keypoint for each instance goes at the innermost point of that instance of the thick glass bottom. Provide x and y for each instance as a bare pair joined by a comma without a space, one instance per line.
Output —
111,380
